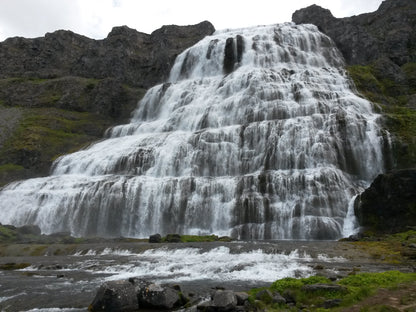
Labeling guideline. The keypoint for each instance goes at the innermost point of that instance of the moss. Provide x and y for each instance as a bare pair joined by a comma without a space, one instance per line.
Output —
393,98
197,238
14,266
46,133
7,234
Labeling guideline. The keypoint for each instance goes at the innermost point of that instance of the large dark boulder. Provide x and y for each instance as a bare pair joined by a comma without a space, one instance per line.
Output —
389,204
115,296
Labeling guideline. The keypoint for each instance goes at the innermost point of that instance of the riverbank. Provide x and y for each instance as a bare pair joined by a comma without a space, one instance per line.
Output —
67,275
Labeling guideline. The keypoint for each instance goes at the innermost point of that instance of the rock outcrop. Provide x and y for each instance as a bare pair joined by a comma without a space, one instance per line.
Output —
61,91
134,58
389,204
390,32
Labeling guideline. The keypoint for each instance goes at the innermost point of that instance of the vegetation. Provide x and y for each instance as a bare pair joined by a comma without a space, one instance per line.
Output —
44,134
328,295
395,102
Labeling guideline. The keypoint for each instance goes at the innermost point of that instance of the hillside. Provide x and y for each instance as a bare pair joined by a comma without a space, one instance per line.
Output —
60,92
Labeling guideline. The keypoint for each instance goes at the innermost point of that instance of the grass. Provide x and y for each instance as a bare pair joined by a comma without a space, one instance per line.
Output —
352,290
392,248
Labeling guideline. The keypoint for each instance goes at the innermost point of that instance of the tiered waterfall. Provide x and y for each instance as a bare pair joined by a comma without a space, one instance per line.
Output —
258,134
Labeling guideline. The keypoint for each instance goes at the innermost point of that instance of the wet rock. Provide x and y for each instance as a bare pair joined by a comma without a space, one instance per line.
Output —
388,205
115,296
156,238
229,57
162,297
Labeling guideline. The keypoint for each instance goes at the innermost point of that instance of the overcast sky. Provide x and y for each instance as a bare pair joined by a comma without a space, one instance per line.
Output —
95,18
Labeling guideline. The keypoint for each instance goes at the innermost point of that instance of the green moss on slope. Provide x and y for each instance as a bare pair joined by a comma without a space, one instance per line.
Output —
397,105
44,134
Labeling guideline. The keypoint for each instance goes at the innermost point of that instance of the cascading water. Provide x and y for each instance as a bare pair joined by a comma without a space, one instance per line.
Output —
258,134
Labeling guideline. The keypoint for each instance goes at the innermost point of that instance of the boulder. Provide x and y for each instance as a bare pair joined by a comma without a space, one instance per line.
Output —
160,297
389,204
222,301
156,238
242,297
225,300
115,296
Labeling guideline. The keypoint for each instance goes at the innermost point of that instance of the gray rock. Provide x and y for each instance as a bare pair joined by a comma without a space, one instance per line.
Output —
242,297
162,297
225,300
115,296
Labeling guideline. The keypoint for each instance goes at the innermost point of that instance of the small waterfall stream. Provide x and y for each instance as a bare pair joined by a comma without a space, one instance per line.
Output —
258,134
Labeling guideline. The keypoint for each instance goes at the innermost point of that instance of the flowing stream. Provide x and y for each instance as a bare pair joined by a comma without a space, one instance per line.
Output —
258,134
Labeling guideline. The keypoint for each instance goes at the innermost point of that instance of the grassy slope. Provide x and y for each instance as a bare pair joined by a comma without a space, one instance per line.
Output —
393,99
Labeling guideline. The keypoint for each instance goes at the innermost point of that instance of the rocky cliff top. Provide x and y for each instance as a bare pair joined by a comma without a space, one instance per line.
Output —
388,32
135,58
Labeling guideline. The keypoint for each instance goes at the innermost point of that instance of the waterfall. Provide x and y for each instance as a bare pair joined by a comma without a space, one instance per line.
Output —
257,134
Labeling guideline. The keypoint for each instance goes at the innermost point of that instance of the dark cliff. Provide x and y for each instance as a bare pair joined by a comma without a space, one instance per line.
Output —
380,51
61,91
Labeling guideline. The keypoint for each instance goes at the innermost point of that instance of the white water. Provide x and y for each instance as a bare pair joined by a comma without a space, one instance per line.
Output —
275,149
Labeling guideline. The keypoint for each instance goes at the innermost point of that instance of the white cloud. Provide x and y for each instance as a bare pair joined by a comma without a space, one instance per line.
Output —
95,18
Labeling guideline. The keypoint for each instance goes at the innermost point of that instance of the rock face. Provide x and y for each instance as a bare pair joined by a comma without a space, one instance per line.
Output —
389,32
389,204
61,91
132,57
